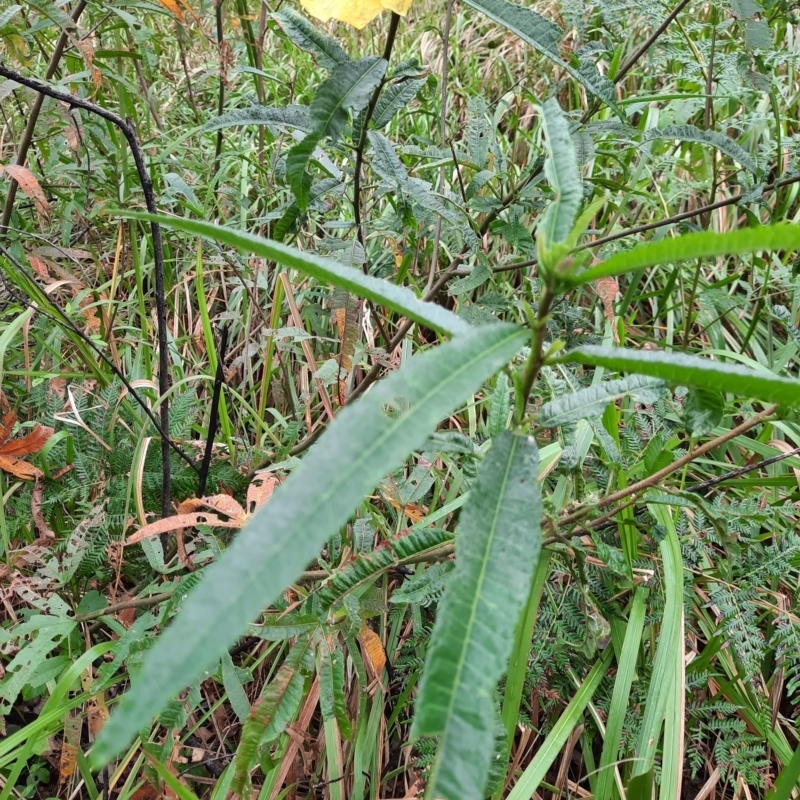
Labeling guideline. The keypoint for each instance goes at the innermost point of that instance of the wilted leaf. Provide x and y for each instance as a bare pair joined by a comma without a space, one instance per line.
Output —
372,648
69,747
30,187
19,468
260,490
32,443
173,7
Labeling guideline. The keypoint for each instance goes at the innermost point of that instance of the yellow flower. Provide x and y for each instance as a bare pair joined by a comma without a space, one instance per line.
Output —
354,12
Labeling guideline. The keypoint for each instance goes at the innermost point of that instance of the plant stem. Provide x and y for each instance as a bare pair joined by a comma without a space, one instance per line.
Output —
536,358
129,131
362,139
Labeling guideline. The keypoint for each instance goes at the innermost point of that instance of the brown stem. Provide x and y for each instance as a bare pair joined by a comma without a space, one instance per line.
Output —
657,477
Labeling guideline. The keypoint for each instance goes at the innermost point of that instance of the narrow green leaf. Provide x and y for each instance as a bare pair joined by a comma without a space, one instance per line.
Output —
685,370
233,686
561,171
302,33
536,770
349,88
497,548
500,406
592,401
331,685
689,133
290,116
619,699
544,36
397,298
662,680
365,442
707,244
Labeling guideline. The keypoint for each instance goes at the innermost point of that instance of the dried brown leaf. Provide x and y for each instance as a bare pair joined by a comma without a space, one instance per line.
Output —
7,426
19,468
173,7
169,524
69,748
260,490
37,496
372,648
32,443
30,187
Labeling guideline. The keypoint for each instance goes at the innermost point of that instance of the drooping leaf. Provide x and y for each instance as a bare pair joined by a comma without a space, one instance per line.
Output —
382,292
366,441
703,410
707,244
690,133
561,171
349,88
592,401
290,116
685,370
302,33
497,548
544,36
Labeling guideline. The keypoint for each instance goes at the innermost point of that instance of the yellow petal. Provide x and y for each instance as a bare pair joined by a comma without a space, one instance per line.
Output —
355,12
398,6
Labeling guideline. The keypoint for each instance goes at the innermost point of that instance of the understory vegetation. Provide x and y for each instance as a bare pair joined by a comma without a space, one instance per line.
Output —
400,411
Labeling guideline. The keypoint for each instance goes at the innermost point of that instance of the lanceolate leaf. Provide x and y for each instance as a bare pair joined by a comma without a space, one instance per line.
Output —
592,401
382,292
783,236
685,370
561,171
365,442
497,548
723,143
544,36
290,116
302,33
349,87
394,97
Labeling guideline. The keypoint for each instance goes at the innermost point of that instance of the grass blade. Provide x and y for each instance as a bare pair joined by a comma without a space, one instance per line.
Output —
535,772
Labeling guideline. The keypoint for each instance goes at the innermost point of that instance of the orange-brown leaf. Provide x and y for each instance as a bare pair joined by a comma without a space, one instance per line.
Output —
260,490
7,426
69,748
32,443
30,186
169,524
372,648
173,7
19,468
